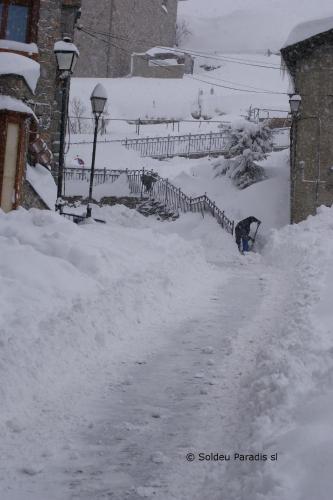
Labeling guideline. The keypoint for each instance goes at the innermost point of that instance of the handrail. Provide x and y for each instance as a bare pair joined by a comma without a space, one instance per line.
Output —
172,197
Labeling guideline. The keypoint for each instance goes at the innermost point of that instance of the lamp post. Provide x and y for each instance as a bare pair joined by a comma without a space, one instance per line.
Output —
98,100
295,102
66,55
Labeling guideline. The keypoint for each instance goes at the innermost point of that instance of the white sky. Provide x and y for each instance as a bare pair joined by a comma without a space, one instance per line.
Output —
247,25
306,9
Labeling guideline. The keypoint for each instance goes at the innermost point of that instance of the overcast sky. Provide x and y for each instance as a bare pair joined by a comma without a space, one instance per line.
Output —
304,8
247,25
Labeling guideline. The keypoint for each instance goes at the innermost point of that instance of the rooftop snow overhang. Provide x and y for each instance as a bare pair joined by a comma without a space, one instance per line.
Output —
295,51
13,105
18,65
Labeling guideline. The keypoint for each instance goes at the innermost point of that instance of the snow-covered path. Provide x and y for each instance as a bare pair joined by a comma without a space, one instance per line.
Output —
181,398
163,347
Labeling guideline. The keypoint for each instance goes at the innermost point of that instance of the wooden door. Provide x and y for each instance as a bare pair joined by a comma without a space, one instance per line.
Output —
9,168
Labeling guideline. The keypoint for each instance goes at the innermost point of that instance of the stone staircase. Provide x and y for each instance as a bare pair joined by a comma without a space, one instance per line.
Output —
147,207
157,209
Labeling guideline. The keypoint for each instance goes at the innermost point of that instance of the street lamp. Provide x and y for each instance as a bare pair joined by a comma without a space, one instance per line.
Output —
294,101
66,54
98,100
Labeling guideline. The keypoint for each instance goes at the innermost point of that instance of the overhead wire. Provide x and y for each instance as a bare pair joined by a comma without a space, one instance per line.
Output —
250,90
239,60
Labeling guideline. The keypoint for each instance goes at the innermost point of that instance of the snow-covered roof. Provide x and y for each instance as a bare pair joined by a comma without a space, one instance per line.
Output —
16,64
12,104
163,50
309,29
30,48
163,62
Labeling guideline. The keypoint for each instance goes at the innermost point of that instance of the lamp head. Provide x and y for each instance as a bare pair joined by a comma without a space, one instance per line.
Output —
67,55
295,102
98,100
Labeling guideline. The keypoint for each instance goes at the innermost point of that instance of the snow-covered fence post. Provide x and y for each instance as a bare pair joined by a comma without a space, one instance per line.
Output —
168,144
104,177
210,142
142,177
166,191
189,145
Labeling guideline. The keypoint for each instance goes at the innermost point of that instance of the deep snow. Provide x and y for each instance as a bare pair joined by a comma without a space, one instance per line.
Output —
124,346
127,345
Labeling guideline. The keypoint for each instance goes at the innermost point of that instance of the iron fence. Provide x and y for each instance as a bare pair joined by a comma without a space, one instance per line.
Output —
161,190
188,145
180,145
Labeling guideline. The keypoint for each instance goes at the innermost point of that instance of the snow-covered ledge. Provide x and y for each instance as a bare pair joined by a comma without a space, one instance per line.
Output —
28,48
43,183
8,103
16,64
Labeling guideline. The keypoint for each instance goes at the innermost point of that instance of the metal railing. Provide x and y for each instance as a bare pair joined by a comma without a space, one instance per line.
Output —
171,197
180,145
174,145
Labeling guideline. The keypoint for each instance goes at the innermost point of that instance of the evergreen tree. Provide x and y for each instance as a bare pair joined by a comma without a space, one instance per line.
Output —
249,143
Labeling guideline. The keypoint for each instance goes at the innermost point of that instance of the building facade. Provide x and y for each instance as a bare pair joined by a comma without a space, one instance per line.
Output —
29,88
114,29
309,61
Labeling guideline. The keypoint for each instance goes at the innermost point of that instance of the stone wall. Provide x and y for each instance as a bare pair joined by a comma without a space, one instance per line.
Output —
134,26
312,144
31,198
53,19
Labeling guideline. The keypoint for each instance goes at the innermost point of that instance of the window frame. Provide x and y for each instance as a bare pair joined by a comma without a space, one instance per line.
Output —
32,22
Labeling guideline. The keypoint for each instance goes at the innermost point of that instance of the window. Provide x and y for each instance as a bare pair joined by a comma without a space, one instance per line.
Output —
15,18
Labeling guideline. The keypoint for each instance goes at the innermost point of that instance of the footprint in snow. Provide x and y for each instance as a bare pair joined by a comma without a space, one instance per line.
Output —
207,350
32,470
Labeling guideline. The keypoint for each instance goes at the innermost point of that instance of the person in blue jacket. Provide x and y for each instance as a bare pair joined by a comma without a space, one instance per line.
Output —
242,233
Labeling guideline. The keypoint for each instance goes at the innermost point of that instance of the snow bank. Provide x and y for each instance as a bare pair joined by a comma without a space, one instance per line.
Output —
152,95
75,299
290,397
267,200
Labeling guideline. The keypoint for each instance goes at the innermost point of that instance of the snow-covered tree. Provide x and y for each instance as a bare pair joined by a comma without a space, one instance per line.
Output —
77,110
249,142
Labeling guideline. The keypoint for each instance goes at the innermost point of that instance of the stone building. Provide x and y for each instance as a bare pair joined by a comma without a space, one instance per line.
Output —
114,29
161,63
308,57
29,89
